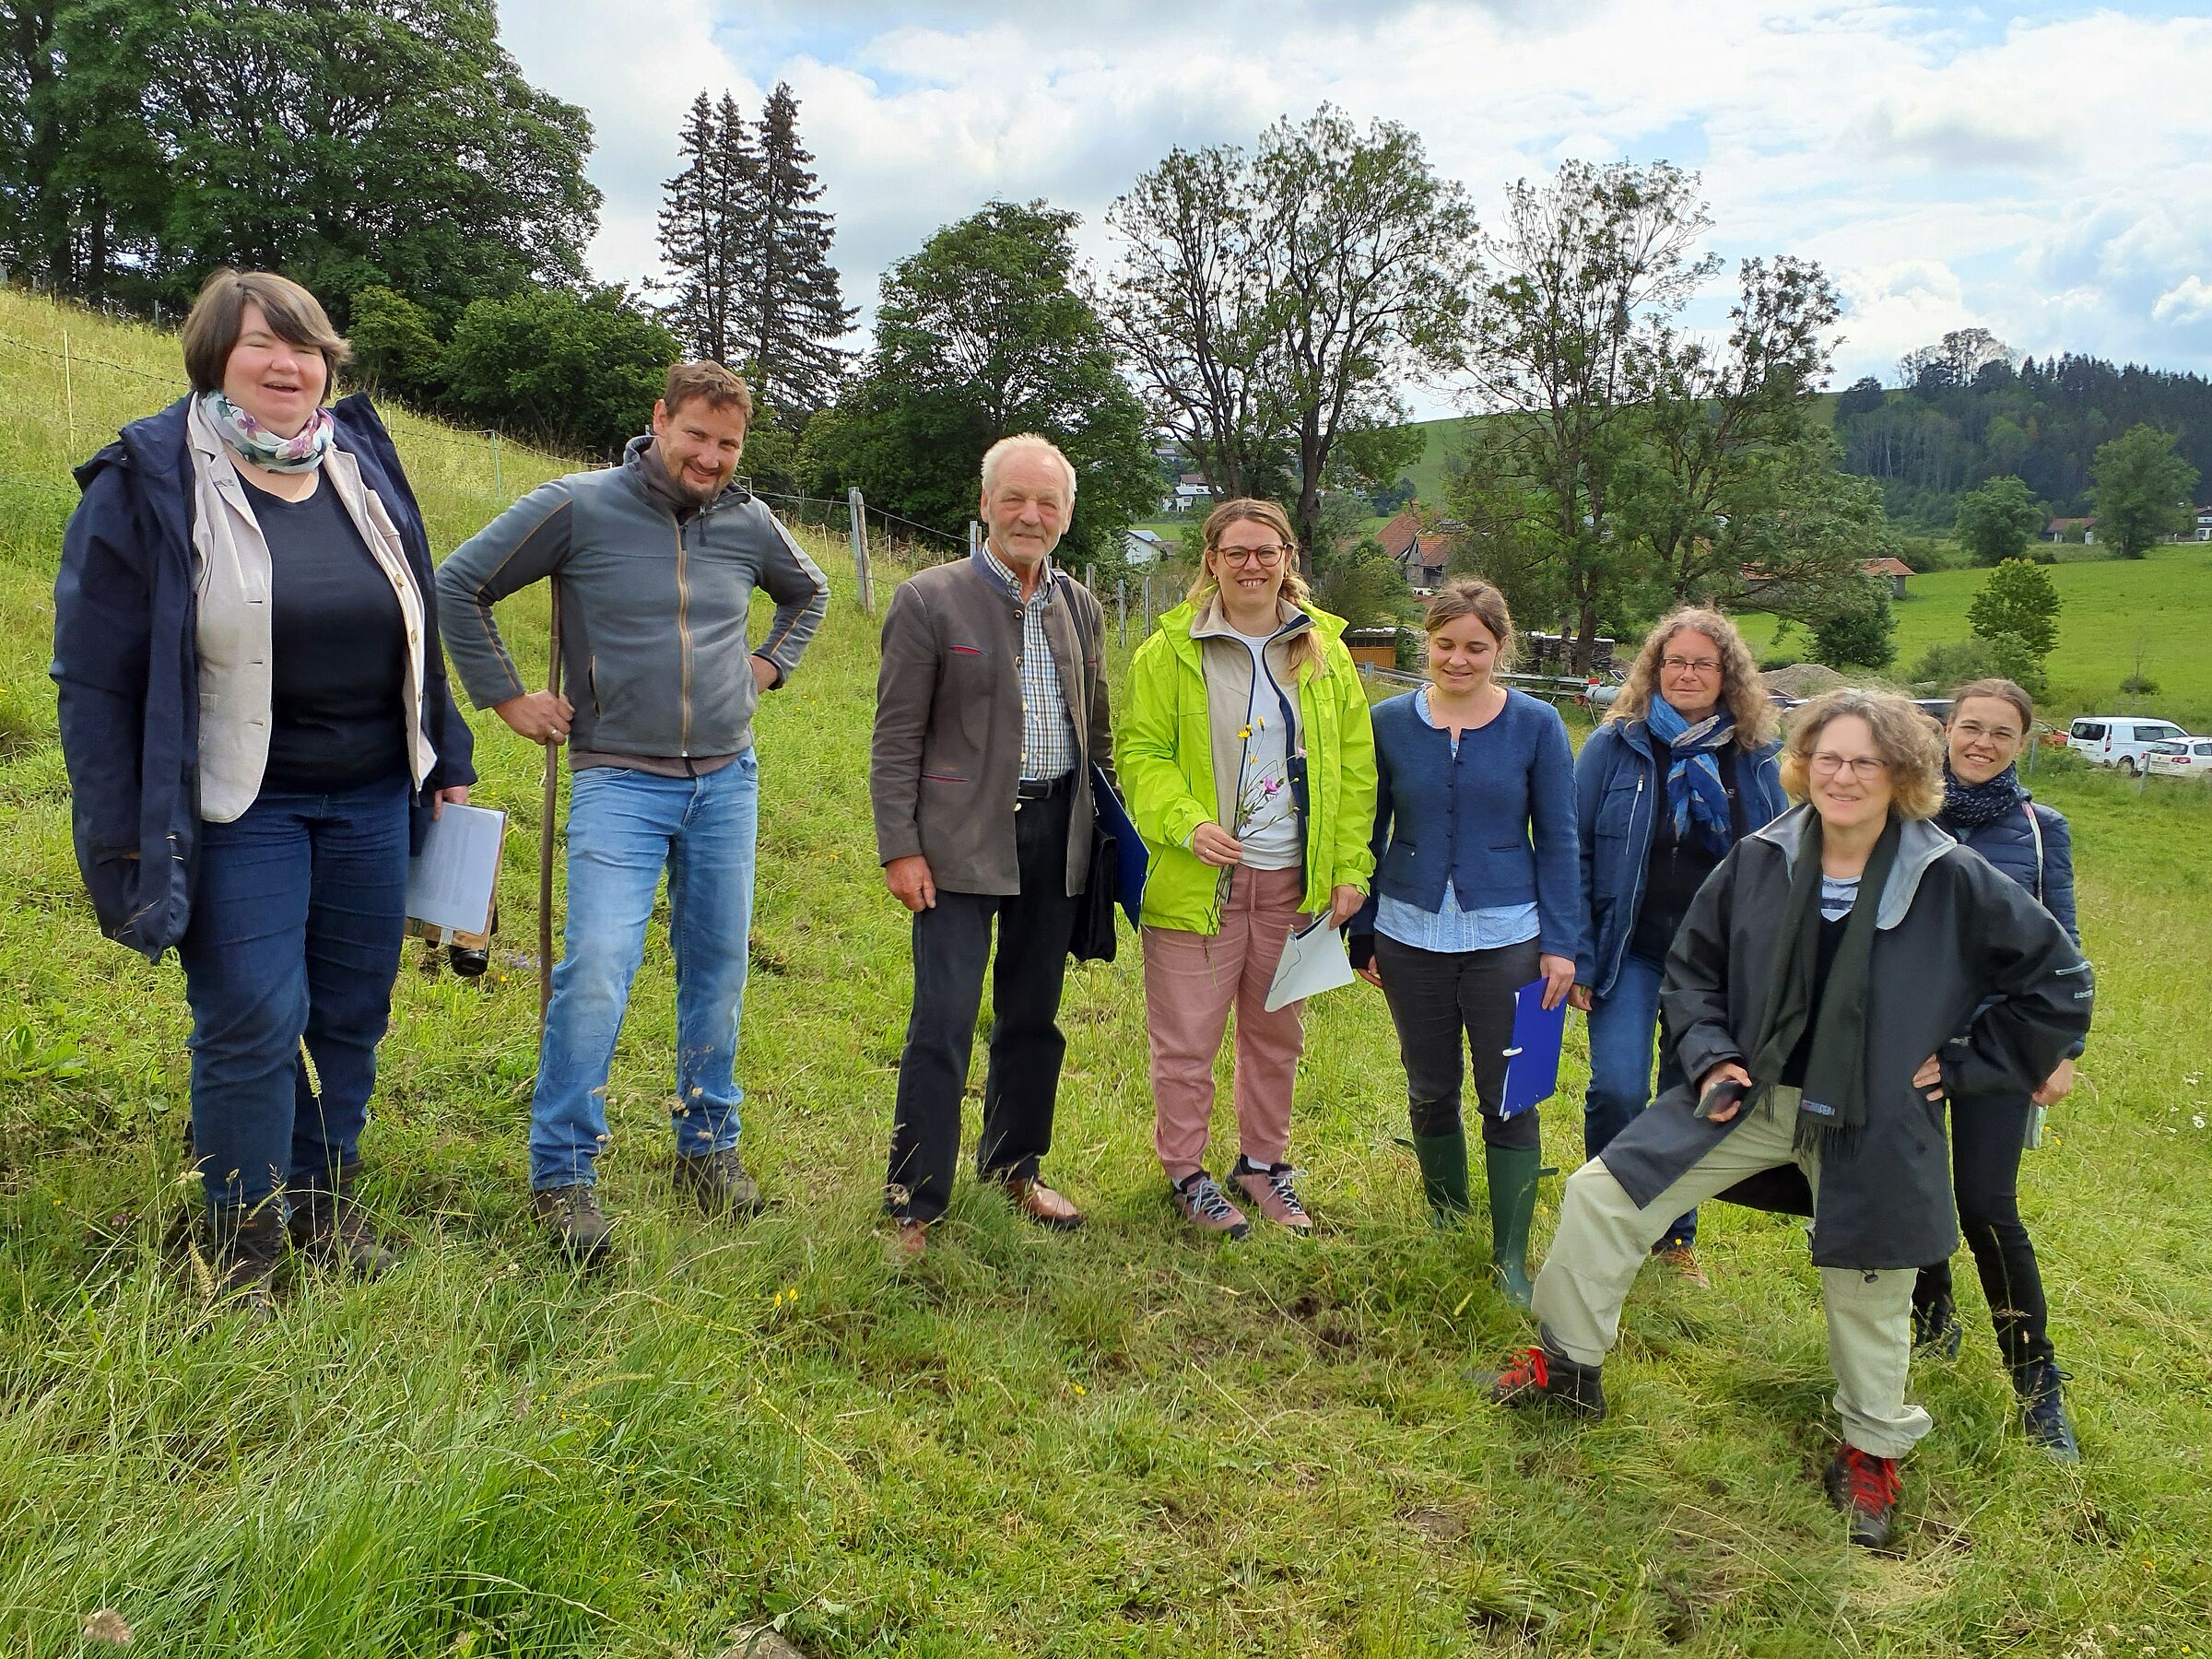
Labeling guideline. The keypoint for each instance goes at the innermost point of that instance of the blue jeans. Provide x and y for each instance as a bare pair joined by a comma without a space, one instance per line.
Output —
624,828
297,915
1622,1023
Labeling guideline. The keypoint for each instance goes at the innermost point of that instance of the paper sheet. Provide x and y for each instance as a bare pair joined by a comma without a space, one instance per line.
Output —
1313,961
450,882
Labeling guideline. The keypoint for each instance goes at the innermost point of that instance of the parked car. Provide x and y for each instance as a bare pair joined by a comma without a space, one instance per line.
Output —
2180,757
2121,740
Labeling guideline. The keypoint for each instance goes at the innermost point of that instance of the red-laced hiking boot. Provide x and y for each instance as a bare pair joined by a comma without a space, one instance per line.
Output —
1544,1376
1270,1189
1865,1488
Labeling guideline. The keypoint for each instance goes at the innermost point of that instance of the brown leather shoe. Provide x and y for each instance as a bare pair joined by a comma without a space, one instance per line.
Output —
910,1240
1039,1202
1683,1261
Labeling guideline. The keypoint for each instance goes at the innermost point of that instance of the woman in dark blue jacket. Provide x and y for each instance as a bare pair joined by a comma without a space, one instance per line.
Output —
1985,806
1474,897
254,715
1682,768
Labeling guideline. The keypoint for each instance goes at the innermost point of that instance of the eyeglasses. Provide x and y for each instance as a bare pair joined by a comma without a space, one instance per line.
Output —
1266,557
1827,765
1971,729
1703,668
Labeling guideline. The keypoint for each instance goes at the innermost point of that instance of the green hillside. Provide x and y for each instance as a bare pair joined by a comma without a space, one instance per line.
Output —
1118,1443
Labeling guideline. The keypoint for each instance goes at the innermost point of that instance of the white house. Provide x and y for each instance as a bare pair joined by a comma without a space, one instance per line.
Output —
1144,547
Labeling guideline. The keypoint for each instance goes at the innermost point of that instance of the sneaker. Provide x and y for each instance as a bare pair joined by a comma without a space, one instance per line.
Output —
719,1182
1205,1206
1865,1487
2043,1410
1935,1329
574,1217
329,1226
1682,1262
1542,1375
1269,1186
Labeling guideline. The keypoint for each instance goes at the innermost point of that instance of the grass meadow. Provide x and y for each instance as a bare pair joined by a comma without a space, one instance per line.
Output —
1116,1442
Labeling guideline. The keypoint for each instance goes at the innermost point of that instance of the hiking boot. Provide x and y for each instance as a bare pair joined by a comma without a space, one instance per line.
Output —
1544,1376
1682,1262
719,1182
1269,1186
329,1226
574,1217
246,1244
2043,1409
1935,1329
1206,1207
1865,1487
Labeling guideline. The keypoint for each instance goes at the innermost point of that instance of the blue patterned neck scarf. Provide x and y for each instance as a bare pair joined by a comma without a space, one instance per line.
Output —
1695,795
1970,806
300,453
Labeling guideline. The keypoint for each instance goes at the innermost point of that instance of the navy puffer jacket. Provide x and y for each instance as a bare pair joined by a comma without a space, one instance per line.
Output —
2009,841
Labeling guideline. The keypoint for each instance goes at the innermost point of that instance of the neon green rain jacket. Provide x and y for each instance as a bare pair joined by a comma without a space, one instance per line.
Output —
1167,733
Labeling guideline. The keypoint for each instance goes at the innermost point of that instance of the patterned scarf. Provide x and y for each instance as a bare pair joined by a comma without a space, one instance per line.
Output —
1694,791
1970,806
298,454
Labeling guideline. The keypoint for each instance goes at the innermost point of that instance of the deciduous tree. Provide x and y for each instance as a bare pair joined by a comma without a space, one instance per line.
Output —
2142,489
1997,521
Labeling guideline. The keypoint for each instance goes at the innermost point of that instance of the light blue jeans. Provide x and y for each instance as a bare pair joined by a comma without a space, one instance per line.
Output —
1623,1023
624,828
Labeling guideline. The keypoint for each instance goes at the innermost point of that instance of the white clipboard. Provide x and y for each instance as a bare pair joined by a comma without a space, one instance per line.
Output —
450,881
1314,960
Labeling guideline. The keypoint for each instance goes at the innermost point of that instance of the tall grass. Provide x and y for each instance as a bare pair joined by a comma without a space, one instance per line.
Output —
1121,1442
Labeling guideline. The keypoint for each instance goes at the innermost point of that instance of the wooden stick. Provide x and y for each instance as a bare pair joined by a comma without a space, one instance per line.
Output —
545,831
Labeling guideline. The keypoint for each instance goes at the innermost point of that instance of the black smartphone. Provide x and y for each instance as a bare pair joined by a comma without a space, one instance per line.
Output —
1725,1094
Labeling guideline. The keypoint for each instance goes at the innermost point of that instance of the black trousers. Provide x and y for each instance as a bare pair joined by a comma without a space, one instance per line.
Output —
952,944
1988,1134
1434,996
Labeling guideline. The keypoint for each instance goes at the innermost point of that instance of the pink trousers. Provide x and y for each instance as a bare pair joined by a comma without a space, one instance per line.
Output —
1191,983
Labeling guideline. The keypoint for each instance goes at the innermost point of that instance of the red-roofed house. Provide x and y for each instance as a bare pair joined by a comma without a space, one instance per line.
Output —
1420,552
1897,570
2071,529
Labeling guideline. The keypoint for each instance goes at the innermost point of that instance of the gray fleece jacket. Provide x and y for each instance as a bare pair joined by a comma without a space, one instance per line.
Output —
653,607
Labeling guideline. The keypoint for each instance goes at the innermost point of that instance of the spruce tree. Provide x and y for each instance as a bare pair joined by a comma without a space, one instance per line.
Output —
706,231
794,312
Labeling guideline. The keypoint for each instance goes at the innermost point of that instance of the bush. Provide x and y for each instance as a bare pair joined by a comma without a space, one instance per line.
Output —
1857,639
1787,656
2138,684
1943,667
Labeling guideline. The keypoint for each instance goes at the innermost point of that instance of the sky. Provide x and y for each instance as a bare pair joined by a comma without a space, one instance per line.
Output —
2041,170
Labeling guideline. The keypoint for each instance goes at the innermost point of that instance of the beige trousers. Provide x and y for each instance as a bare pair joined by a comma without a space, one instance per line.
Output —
1604,1237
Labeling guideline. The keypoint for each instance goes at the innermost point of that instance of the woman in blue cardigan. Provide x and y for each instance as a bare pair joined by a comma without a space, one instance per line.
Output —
1476,896
1682,768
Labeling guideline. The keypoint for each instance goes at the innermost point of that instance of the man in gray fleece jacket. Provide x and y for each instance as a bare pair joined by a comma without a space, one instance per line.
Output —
654,563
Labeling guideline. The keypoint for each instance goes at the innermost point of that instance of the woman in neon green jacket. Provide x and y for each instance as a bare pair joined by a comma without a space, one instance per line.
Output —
1245,748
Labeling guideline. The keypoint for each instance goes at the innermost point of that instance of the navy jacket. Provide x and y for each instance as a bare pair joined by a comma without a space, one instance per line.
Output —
1618,783
2007,841
1497,819
126,663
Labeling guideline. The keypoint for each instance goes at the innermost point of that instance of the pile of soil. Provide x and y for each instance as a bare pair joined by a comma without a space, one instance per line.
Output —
1802,679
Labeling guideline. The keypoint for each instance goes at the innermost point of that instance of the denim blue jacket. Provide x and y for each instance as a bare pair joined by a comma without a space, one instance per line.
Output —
1497,819
1617,783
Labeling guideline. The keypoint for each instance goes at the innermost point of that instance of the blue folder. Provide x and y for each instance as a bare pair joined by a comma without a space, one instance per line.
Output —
1532,1063
1129,847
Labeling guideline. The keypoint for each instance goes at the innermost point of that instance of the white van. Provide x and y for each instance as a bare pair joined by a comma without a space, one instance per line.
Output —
2121,740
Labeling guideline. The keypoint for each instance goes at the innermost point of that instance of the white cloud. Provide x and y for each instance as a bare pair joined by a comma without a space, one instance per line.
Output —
2040,178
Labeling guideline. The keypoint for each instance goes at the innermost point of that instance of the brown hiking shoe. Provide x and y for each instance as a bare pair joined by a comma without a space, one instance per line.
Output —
1682,1262
1205,1206
1269,1187
719,1182
328,1224
572,1214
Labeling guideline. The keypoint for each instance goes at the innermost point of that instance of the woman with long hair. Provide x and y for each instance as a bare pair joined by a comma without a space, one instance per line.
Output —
1475,898
1817,992
257,727
1987,807
1681,770
1244,750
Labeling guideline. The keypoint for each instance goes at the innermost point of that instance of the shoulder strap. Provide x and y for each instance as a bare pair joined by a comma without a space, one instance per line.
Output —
2035,829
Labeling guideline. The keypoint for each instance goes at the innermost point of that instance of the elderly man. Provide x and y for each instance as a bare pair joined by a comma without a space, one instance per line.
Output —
654,562
990,708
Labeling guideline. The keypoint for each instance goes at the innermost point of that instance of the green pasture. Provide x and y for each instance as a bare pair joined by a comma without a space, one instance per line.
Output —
1121,1442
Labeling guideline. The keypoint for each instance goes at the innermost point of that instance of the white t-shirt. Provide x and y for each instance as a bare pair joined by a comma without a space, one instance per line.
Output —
1268,821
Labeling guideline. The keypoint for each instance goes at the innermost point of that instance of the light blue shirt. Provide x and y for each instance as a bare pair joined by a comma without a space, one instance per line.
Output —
1448,929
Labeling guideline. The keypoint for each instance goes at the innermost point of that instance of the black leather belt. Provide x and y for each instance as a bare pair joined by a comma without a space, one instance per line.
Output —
1040,789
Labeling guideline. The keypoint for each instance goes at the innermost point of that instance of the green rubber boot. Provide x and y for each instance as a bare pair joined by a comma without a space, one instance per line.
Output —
1443,1160
1512,1173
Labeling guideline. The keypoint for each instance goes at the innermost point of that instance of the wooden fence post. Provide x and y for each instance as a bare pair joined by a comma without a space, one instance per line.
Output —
856,510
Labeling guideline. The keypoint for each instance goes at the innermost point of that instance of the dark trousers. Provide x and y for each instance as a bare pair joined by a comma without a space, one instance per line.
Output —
1434,996
1988,1134
295,934
952,943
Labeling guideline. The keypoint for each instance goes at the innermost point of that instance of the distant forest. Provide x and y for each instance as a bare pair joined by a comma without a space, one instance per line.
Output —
1945,433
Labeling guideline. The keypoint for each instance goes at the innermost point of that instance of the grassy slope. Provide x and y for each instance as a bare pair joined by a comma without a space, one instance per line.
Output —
1117,1442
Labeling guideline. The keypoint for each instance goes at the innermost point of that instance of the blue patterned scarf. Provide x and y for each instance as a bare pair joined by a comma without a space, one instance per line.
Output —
1970,806
1694,791
300,453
